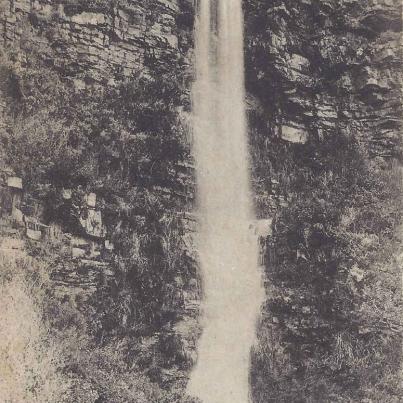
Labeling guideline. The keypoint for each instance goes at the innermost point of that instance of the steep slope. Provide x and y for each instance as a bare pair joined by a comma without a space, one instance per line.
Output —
325,115
94,99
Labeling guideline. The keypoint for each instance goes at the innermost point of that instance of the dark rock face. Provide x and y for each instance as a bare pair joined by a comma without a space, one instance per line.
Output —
96,46
322,66
101,44
325,81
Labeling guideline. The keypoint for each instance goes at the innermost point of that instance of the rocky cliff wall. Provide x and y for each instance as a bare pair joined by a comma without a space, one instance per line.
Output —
315,67
93,46
324,81
98,41
318,72
325,66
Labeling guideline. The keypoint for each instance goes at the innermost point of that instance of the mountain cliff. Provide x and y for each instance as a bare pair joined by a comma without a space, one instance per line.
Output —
95,100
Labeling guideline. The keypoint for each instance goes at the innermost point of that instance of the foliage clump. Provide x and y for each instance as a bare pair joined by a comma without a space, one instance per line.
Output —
124,143
333,315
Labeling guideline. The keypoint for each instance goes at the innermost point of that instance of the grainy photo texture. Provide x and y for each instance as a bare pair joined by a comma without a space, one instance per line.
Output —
201,201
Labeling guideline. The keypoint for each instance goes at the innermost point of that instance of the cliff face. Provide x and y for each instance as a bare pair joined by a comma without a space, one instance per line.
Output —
326,66
315,67
325,124
323,82
97,45
128,64
98,41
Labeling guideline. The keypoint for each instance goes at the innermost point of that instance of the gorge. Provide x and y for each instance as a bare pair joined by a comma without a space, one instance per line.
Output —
101,176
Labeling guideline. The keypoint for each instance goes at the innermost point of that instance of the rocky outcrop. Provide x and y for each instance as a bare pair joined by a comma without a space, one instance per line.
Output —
325,75
97,43
328,66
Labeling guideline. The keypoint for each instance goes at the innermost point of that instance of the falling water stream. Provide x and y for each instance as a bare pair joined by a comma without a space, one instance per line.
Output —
227,247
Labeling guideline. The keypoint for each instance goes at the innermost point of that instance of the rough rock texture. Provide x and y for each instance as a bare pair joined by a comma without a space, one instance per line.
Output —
99,44
323,78
323,66
314,68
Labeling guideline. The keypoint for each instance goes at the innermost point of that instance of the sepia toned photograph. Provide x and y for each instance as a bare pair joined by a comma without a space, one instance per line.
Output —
201,201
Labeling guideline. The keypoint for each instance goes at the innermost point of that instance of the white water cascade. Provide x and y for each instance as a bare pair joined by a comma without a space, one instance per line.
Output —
228,250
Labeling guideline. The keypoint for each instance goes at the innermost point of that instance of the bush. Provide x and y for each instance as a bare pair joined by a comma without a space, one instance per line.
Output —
334,308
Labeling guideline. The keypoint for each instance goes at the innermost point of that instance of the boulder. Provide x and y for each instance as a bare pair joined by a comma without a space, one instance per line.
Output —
292,134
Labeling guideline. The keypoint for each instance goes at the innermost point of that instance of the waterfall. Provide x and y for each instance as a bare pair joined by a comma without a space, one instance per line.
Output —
228,250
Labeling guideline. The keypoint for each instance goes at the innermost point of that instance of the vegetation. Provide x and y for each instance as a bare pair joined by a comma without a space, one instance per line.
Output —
58,137
51,352
31,363
332,327
331,330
